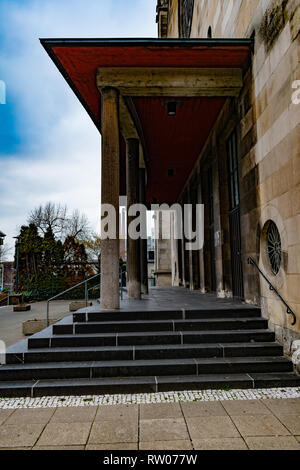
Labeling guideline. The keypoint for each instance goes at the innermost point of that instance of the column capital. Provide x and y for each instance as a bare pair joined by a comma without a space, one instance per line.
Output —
109,89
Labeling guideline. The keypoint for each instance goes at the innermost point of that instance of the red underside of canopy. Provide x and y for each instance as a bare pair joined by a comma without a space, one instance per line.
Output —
172,143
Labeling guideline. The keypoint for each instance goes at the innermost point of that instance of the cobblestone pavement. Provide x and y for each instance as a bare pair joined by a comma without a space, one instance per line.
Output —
201,425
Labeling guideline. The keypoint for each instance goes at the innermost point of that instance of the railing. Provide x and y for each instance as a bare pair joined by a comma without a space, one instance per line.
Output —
289,311
86,293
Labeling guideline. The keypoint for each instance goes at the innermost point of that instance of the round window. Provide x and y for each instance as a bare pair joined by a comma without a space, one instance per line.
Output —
274,247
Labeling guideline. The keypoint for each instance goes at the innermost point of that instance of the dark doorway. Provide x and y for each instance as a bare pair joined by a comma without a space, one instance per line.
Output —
234,218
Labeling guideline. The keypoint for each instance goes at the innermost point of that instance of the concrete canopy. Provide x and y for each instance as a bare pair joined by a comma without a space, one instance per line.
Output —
196,74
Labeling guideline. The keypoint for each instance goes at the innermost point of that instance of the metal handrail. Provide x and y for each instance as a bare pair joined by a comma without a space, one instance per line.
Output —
85,282
289,311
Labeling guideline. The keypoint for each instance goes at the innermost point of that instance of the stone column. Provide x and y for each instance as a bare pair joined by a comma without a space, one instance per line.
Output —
190,252
143,241
110,188
182,254
201,252
133,246
194,201
174,250
185,253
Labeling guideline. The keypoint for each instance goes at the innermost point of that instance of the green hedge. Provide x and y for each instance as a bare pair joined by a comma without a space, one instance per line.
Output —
45,289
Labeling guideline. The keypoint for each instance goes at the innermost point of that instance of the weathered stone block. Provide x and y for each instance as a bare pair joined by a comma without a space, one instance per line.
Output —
163,278
76,305
15,299
30,327
21,308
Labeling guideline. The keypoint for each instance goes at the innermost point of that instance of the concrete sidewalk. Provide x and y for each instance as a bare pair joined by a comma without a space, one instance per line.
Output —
11,322
222,425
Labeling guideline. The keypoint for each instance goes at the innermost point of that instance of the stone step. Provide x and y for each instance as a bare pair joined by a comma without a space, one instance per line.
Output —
182,314
155,338
166,367
161,325
40,388
113,353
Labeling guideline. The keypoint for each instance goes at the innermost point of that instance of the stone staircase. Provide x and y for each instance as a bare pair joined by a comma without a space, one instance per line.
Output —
148,351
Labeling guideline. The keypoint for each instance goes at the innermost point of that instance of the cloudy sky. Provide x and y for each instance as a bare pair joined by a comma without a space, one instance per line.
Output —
49,147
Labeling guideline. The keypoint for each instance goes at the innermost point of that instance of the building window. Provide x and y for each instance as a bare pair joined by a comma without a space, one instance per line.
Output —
273,242
209,33
232,156
185,17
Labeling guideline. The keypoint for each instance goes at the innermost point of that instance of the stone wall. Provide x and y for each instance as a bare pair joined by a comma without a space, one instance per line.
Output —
268,126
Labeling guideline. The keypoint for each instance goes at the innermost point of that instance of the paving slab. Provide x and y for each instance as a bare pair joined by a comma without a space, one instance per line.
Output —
107,412
31,416
15,448
279,407
110,446
64,434
4,415
291,422
194,409
272,443
166,445
247,407
236,443
160,411
259,425
114,431
19,435
84,414
211,427
163,430
58,447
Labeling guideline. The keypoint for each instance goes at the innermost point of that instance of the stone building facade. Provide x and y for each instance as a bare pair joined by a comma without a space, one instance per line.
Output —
248,172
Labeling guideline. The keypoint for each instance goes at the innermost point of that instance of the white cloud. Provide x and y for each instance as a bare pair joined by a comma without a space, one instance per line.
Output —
61,158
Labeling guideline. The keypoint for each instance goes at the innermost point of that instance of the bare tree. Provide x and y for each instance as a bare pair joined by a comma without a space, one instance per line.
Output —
77,226
49,217
4,252
55,217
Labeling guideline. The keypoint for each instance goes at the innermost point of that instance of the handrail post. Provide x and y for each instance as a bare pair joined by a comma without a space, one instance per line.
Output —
86,293
47,320
121,285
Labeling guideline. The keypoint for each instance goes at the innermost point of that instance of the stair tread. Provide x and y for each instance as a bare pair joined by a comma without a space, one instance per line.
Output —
132,363
187,320
148,379
240,308
151,347
160,333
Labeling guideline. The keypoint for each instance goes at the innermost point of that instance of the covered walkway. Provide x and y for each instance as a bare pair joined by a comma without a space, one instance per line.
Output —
176,298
